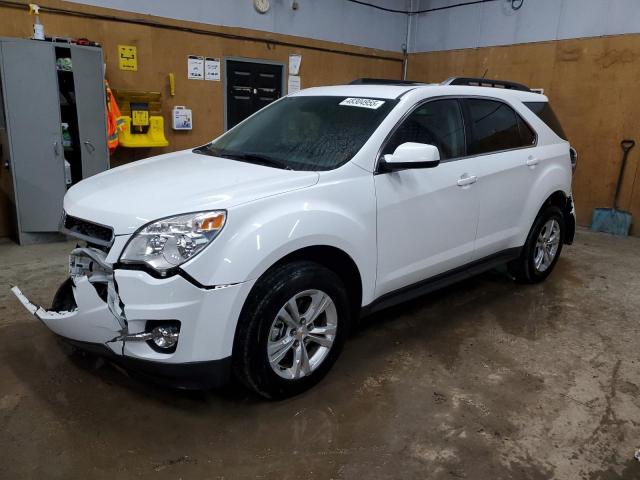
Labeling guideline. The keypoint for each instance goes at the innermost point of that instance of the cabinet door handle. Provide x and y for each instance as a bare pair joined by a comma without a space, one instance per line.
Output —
89,146
56,148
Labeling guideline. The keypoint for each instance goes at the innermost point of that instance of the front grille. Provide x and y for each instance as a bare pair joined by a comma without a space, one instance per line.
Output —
89,231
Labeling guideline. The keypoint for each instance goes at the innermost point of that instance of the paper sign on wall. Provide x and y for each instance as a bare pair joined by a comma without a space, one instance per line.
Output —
128,58
195,67
212,69
294,64
294,84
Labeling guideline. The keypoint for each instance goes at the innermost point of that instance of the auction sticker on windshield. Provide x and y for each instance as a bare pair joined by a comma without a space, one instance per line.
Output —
362,102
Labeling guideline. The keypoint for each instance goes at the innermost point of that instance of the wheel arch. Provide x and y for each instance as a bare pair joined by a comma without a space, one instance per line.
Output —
336,260
564,202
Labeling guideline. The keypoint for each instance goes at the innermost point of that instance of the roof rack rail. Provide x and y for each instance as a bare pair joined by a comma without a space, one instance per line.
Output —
382,81
485,82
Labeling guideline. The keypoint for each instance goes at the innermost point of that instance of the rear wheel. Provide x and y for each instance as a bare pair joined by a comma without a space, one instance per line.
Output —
542,249
291,329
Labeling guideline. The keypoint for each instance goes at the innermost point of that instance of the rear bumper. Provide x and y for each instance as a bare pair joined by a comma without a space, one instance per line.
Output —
189,376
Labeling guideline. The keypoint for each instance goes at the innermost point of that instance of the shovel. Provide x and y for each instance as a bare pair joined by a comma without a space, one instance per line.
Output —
613,220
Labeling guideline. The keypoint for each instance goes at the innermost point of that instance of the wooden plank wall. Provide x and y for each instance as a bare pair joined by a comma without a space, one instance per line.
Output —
593,86
165,50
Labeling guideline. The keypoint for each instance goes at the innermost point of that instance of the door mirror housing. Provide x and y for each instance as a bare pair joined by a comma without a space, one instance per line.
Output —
410,155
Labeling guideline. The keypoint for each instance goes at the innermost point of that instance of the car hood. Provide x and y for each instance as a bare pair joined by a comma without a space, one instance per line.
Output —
130,196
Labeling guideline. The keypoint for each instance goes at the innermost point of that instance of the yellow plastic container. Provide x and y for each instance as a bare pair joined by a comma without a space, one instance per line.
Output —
153,138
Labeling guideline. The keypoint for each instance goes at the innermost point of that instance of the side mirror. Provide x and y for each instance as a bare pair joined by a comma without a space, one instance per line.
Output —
411,155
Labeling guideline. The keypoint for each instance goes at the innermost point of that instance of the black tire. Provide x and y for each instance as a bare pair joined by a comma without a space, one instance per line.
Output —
524,269
250,359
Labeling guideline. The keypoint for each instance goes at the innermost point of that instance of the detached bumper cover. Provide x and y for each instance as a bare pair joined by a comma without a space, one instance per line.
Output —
111,319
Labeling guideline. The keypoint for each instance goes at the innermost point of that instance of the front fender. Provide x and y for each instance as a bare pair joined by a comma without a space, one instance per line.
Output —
260,233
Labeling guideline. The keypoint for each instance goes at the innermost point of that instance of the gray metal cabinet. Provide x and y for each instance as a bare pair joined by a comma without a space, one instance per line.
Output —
90,104
37,99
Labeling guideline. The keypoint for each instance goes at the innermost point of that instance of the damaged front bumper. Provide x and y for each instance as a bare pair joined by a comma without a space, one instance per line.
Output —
110,312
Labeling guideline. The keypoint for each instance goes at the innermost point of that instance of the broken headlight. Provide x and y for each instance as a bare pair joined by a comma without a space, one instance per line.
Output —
171,241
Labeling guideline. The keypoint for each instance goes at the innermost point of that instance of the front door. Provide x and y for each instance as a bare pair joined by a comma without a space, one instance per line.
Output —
250,86
427,218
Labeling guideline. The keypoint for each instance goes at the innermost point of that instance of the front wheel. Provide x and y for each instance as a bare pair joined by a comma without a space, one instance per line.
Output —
291,329
542,249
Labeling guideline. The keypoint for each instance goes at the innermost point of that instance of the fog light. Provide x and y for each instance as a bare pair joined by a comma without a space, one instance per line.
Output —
165,336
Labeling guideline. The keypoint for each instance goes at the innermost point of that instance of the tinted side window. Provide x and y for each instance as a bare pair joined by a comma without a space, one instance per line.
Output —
495,126
548,116
437,123
527,135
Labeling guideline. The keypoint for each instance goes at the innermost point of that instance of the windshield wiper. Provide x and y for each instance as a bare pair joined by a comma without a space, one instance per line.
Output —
255,158
242,156
203,149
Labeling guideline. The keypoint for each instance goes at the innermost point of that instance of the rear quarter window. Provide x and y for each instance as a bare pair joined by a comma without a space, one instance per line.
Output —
544,111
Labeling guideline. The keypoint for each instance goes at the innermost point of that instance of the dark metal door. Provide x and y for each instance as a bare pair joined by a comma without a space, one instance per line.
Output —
33,117
250,86
88,79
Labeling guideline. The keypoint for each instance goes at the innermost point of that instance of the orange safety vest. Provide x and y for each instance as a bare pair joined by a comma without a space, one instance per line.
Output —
115,122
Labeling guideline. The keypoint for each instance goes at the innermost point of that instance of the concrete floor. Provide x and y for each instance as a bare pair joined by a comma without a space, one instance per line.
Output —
486,380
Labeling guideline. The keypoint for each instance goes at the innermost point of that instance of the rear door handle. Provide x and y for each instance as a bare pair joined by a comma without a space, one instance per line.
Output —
466,179
532,161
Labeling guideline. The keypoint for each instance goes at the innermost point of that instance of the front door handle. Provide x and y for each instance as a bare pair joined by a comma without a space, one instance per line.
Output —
532,161
467,179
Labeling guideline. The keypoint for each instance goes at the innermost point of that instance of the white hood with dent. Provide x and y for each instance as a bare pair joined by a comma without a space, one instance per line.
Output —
130,196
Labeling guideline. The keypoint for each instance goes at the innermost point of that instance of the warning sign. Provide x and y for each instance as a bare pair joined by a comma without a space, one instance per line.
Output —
128,57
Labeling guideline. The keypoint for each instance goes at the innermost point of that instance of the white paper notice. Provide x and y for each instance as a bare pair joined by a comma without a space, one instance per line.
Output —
294,64
212,69
363,103
294,84
195,67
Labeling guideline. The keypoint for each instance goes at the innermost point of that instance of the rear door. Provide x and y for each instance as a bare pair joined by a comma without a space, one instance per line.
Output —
501,148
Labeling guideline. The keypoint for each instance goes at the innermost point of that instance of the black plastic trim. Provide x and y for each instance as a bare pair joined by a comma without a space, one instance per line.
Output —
143,267
87,230
485,82
189,376
569,222
442,280
386,167
384,81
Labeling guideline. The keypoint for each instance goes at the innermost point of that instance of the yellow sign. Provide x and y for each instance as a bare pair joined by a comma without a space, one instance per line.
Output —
128,57
139,118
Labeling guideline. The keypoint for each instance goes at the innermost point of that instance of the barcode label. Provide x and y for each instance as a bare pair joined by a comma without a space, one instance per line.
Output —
362,102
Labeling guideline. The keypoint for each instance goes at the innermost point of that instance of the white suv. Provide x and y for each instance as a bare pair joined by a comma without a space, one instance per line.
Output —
255,254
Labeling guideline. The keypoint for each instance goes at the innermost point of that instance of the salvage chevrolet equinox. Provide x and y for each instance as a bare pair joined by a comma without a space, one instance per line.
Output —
253,255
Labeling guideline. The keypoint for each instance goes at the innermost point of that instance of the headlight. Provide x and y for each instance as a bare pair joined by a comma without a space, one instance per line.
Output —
169,242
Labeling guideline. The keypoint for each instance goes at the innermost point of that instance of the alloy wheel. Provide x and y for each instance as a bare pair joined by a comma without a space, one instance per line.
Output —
547,245
302,334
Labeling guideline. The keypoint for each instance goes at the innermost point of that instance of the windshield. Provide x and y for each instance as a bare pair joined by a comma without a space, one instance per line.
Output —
303,133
